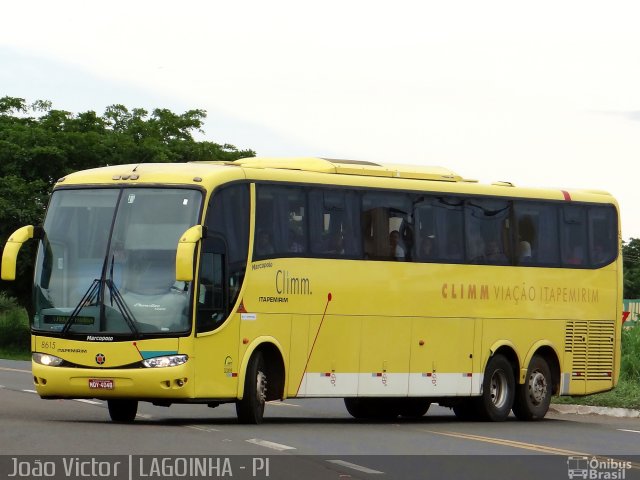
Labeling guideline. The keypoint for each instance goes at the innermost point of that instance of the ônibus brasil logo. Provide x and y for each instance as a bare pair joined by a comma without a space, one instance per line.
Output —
597,468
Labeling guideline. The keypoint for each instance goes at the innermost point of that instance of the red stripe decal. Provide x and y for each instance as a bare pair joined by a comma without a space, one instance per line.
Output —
566,195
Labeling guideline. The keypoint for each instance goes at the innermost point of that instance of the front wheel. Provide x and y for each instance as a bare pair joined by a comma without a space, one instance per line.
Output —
251,408
498,390
534,396
122,411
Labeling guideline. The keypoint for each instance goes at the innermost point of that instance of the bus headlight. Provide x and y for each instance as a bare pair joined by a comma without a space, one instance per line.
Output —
168,361
46,359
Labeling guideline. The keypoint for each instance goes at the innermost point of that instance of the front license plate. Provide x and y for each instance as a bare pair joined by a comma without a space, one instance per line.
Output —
101,384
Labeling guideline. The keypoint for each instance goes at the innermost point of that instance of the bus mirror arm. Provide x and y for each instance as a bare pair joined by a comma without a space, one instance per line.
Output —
11,249
185,253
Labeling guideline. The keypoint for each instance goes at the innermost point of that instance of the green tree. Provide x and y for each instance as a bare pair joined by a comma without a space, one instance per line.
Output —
631,266
39,144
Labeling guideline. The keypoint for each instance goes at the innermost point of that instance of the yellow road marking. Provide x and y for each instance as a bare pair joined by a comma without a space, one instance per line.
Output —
510,443
527,446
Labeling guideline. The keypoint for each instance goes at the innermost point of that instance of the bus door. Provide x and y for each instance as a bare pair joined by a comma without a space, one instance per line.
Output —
216,343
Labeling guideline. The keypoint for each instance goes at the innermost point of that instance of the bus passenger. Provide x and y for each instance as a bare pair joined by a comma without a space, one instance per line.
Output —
396,250
336,244
476,248
263,243
427,248
494,253
576,256
295,244
524,252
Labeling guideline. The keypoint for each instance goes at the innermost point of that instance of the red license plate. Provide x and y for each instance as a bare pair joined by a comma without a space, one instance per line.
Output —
101,384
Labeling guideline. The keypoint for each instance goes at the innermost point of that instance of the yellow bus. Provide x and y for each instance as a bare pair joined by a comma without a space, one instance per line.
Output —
262,279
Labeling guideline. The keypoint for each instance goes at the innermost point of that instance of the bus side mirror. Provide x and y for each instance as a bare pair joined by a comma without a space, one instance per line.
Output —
184,254
11,249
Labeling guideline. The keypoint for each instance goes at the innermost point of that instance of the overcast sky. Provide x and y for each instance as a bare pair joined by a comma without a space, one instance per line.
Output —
542,93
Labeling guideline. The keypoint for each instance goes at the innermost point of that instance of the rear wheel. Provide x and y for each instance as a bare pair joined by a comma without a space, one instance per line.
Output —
534,396
498,390
251,408
122,411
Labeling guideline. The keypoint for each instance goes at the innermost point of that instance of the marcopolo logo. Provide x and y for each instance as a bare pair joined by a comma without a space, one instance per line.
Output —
99,338
597,468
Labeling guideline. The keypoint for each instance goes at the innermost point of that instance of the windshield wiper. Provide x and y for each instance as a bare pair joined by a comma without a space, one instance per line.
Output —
126,313
86,300
123,308
92,294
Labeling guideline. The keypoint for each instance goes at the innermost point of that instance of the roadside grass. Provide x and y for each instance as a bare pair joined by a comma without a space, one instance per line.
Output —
627,392
625,395
14,330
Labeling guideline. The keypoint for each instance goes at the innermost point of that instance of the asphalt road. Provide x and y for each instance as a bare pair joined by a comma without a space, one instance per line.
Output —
305,439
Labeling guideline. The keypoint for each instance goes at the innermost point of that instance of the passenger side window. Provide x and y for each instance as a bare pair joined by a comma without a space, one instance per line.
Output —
603,238
487,231
387,226
536,233
334,223
281,222
573,236
439,229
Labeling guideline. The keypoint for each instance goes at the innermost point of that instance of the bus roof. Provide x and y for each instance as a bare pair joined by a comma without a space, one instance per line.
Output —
353,167
347,173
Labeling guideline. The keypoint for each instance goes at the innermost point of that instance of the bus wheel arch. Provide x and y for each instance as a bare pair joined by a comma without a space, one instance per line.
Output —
273,366
262,381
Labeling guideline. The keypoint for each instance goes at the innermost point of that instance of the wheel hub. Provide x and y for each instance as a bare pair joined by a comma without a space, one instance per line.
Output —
261,390
499,388
537,387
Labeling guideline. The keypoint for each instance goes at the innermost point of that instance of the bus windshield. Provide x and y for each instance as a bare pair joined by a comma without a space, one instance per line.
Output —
106,264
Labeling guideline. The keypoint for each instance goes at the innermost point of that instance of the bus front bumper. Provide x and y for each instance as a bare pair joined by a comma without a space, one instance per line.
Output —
135,383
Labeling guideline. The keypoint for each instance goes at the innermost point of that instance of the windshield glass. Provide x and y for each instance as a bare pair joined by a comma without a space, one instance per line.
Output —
107,261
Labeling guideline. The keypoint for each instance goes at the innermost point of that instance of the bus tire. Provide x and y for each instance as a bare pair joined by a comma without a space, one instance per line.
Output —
251,408
498,390
412,407
534,395
122,411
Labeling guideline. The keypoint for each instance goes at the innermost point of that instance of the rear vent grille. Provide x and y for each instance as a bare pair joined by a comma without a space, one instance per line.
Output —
592,347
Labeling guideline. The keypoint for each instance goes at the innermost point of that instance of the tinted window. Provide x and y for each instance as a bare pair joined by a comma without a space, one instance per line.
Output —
536,233
603,235
573,236
334,223
281,222
439,229
224,255
487,231
387,229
